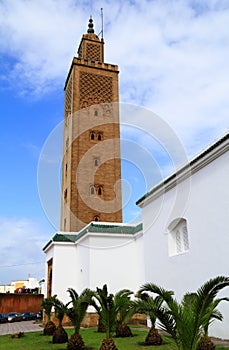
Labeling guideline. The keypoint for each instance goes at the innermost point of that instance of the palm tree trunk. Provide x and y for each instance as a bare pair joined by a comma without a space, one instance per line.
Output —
76,342
49,328
108,344
153,337
206,343
60,336
123,331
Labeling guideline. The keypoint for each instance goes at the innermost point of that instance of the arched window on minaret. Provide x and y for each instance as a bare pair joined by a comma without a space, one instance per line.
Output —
96,218
92,189
99,136
92,135
100,191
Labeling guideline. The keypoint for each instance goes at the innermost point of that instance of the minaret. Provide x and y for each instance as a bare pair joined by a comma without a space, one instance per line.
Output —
91,170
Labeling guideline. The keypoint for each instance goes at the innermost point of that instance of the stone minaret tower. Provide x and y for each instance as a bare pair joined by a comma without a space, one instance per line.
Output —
91,171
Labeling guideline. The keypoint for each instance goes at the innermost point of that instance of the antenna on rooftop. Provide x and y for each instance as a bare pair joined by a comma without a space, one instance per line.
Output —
101,32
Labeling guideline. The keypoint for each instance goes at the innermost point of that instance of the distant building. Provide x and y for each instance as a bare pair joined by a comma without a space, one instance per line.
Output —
30,284
7,288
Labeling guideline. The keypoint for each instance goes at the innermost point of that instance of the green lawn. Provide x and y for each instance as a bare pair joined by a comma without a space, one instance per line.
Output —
91,338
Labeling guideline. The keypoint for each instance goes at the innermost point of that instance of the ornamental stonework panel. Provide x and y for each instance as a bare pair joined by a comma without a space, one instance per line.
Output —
95,89
80,52
68,97
93,52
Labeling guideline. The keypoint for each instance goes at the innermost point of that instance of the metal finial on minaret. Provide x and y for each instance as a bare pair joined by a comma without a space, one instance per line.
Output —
90,26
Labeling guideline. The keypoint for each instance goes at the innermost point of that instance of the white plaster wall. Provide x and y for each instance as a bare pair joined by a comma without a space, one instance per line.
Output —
95,260
206,211
82,266
64,270
117,262
70,268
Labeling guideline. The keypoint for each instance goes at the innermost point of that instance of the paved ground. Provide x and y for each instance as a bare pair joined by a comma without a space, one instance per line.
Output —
224,343
23,326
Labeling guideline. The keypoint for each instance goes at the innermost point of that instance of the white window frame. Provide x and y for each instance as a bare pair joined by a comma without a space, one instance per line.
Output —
178,240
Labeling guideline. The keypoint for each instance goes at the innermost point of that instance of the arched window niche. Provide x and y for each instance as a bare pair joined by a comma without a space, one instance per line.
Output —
178,240
92,190
92,135
96,162
100,191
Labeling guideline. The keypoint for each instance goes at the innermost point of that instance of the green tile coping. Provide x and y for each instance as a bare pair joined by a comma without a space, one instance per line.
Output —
93,227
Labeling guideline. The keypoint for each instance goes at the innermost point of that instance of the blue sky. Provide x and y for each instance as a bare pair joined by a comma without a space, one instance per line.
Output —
173,61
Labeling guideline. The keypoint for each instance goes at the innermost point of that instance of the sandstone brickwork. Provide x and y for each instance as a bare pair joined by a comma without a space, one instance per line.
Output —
91,169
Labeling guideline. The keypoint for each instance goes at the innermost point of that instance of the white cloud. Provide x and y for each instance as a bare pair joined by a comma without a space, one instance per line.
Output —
22,241
40,36
176,64
172,55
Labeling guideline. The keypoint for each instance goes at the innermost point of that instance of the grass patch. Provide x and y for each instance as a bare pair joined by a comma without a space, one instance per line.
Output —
90,336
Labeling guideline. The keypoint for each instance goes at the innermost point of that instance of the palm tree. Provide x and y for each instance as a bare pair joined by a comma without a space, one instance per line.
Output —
97,307
148,305
124,309
76,313
60,335
47,305
107,315
214,314
186,321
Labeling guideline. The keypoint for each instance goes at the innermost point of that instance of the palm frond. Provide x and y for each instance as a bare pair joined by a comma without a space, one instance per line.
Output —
210,289
123,305
79,305
186,321
73,293
205,300
47,305
155,289
167,323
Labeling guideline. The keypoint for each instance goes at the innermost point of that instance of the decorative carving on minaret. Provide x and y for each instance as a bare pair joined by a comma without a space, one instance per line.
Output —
93,52
68,98
94,89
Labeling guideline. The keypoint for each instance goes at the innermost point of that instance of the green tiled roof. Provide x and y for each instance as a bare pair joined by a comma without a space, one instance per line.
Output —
59,237
96,227
111,228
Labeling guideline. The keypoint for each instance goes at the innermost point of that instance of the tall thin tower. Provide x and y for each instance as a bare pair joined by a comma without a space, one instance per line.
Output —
91,170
